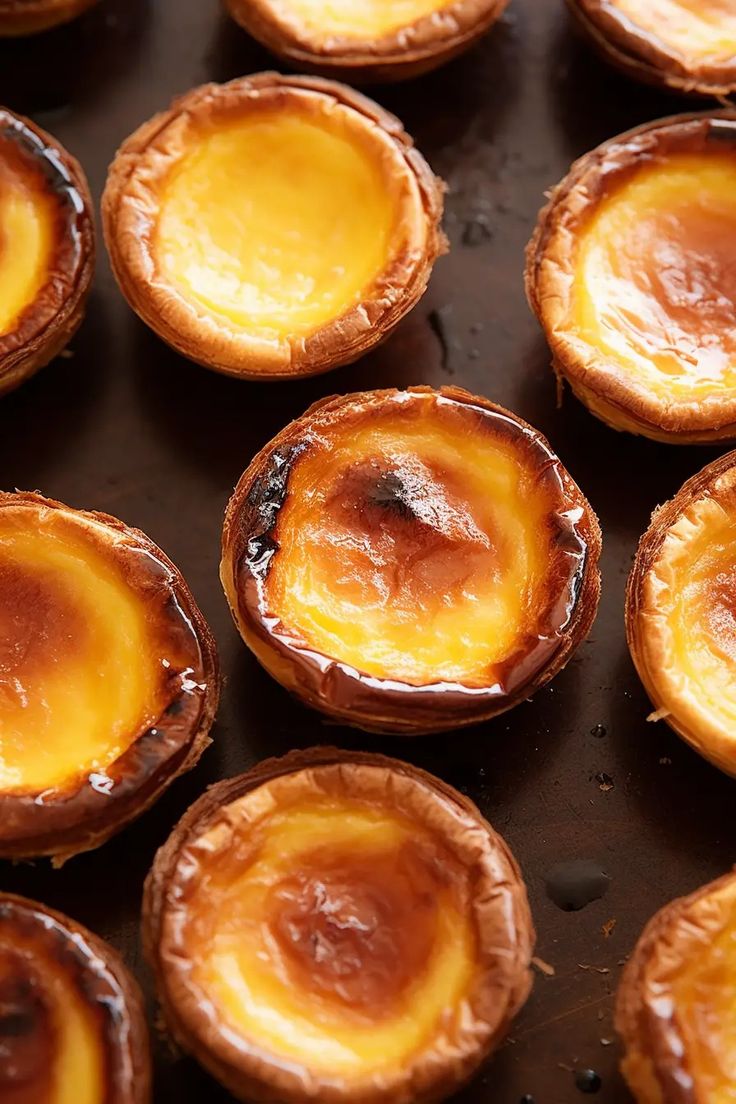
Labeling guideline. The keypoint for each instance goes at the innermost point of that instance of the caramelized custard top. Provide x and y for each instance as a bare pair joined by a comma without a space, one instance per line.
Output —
419,539
703,29
93,647
655,282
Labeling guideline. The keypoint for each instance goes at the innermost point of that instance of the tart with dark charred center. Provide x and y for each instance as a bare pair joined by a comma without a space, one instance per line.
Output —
681,612
46,248
337,927
675,1010
631,275
367,40
72,1023
25,17
410,561
680,45
272,227
108,677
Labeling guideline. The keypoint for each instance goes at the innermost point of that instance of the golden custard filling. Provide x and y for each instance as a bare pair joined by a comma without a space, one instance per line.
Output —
702,29
689,618
280,222
27,228
705,1008
414,545
359,19
59,1056
333,933
655,282
80,676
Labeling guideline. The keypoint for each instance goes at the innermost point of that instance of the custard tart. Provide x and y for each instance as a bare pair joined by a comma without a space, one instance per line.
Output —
680,45
367,40
681,612
337,927
272,227
108,677
410,561
47,248
675,1011
631,275
72,1024
24,17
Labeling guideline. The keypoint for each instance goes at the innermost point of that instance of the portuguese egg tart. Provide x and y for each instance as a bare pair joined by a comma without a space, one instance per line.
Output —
684,45
410,561
675,1010
72,1024
23,17
108,677
631,275
367,40
681,612
272,227
46,248
337,927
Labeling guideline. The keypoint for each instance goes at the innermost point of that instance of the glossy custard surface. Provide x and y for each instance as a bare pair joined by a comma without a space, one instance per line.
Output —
689,599
655,287
277,223
414,544
704,29
51,1051
27,224
335,933
703,997
359,18
81,673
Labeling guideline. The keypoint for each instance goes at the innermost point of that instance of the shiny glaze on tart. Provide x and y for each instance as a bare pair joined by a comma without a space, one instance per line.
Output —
631,275
675,1009
224,234
367,40
337,927
410,561
108,676
46,248
683,45
72,1023
681,612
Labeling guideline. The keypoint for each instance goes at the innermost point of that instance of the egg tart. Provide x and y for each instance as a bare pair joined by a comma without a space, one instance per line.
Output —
46,248
681,612
680,45
272,227
72,1024
631,275
337,927
675,1009
108,677
367,40
410,561
24,17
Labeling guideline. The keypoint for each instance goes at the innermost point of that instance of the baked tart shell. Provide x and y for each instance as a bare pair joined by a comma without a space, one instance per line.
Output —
25,17
63,987
607,388
379,698
500,908
46,174
409,51
646,56
80,810
131,212
660,1064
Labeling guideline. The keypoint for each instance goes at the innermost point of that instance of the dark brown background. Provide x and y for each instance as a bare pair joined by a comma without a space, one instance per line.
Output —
127,426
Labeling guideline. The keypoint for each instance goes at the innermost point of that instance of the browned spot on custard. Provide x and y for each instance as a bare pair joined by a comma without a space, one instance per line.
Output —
40,625
404,532
360,929
27,1036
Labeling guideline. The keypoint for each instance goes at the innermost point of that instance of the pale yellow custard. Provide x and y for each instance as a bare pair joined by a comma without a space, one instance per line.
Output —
359,18
705,29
